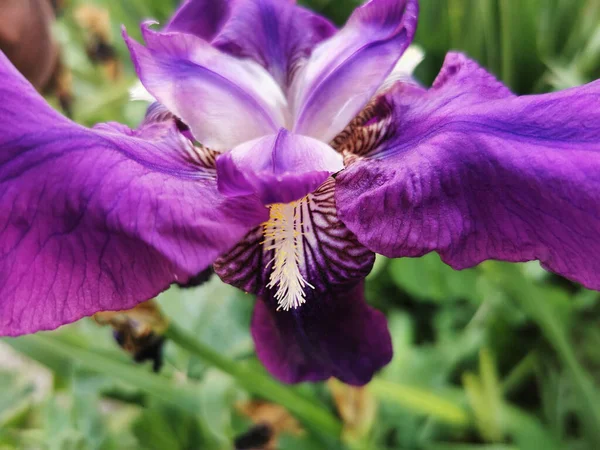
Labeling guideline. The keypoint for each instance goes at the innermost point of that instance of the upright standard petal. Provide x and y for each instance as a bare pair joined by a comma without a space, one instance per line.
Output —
344,72
209,90
279,169
276,33
327,329
202,18
472,172
99,219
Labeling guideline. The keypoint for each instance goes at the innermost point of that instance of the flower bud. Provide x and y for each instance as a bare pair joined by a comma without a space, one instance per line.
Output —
138,331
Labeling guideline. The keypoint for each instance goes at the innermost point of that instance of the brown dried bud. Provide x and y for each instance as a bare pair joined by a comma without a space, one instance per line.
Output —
271,420
95,24
139,331
26,38
357,408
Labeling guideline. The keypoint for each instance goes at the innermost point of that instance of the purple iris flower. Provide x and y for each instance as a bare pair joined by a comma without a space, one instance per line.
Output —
287,153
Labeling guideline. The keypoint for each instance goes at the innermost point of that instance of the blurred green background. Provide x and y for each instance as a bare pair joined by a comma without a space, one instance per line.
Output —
498,357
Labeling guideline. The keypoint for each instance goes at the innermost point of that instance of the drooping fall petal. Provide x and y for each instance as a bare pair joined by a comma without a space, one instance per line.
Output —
331,331
99,219
473,172
334,335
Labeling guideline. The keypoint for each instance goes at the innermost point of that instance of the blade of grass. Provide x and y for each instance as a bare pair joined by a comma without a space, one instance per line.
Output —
420,401
521,372
488,14
526,430
470,447
535,301
506,15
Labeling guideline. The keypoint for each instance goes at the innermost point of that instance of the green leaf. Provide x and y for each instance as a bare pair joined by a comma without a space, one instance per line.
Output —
164,427
16,396
214,313
218,395
428,278
184,397
308,410
550,309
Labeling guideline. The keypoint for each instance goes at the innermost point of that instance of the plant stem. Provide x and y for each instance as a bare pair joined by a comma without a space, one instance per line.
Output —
521,372
259,384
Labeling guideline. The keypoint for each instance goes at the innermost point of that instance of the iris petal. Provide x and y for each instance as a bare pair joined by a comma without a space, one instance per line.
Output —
334,332
276,34
474,173
344,72
209,90
202,18
279,168
334,335
99,219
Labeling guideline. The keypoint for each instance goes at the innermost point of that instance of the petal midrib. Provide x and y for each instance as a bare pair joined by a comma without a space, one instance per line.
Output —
243,92
316,90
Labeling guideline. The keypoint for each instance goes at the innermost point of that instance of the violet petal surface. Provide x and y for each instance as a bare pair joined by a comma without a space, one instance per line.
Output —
344,72
277,34
99,219
334,332
335,335
279,168
208,89
474,173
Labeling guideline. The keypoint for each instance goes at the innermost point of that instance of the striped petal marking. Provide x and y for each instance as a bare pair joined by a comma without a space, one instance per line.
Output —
302,251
